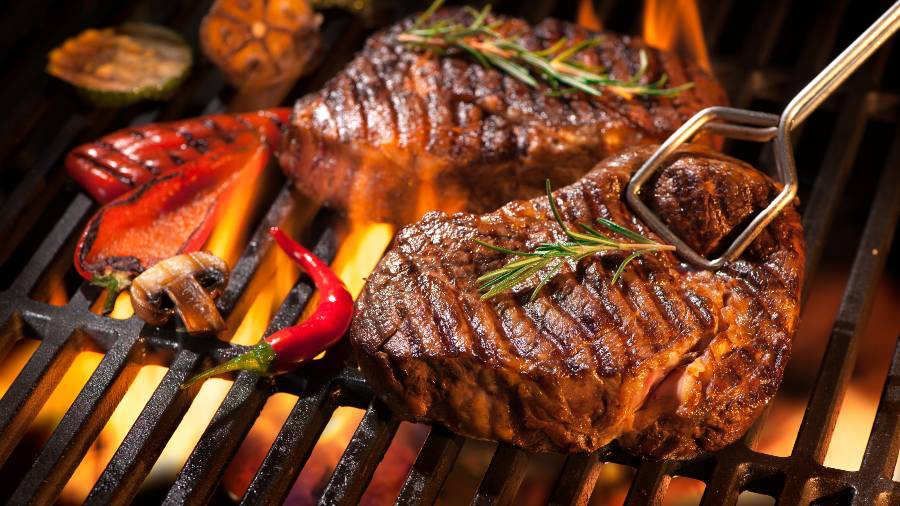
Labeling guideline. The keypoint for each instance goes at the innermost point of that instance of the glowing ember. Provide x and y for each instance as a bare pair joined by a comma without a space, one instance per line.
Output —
675,25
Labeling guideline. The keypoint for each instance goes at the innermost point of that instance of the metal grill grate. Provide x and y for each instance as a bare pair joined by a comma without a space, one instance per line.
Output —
41,213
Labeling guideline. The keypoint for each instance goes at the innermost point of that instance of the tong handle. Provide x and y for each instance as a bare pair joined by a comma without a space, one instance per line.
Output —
832,76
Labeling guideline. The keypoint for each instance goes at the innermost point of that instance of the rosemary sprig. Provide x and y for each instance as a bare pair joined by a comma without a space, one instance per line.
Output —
548,258
555,65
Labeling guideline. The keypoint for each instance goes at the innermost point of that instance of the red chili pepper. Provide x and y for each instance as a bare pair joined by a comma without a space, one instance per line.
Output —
123,160
290,346
166,216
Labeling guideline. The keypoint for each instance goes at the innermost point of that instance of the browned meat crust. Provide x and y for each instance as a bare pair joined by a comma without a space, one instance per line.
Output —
671,360
399,132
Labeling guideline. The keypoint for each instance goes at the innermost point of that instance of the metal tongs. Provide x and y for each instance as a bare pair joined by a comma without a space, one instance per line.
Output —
760,127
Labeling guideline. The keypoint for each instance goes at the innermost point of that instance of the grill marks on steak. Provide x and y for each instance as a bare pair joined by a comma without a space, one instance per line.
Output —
670,360
401,131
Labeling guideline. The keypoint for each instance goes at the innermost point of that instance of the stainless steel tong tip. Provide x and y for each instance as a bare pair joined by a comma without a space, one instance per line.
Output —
759,127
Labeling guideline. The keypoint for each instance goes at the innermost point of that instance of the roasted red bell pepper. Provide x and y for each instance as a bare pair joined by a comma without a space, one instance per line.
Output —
284,349
166,216
123,160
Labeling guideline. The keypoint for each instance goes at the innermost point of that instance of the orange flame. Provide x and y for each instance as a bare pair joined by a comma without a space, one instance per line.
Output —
271,283
587,16
674,25
52,289
233,225
325,455
357,256
227,239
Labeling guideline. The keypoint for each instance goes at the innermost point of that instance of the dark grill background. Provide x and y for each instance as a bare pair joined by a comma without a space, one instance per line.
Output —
849,162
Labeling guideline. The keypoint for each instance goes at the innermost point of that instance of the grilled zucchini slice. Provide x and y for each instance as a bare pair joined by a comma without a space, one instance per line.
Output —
118,66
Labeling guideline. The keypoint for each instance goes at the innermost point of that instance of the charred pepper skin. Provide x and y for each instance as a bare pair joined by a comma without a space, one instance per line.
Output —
123,160
283,350
176,211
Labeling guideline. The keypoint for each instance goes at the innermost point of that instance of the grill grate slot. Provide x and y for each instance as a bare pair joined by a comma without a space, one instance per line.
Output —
884,442
196,482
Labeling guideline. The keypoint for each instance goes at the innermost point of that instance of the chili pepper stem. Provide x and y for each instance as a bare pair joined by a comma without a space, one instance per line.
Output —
257,359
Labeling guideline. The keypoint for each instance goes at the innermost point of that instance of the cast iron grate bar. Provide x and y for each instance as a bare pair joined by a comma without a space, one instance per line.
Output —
55,327
576,479
220,441
199,477
839,157
82,422
839,358
883,447
35,181
256,248
31,388
292,447
840,353
725,484
432,465
650,483
149,434
757,50
503,477
368,445
49,249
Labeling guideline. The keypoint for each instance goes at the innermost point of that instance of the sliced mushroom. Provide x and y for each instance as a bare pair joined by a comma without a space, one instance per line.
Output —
185,284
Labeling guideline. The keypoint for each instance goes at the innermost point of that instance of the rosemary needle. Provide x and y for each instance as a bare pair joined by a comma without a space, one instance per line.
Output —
554,65
548,258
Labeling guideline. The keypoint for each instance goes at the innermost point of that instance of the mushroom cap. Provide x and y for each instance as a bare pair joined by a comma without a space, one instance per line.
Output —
170,286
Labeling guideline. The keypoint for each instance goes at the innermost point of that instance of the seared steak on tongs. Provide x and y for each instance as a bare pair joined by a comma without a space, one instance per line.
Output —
670,360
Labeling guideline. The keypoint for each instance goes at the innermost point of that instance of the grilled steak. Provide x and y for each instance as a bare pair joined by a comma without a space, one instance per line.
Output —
670,360
401,131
